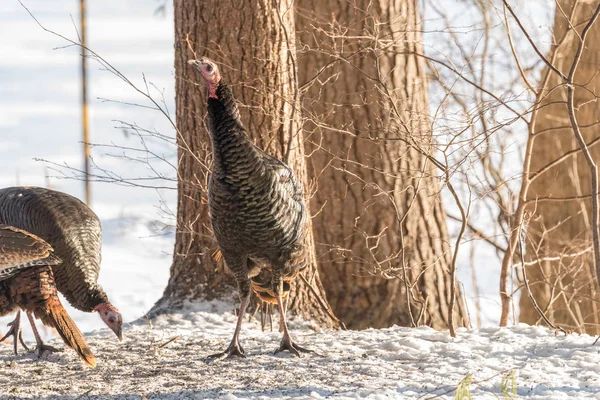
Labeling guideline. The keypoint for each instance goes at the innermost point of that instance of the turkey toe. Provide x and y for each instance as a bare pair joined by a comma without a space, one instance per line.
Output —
289,345
41,348
234,350
16,333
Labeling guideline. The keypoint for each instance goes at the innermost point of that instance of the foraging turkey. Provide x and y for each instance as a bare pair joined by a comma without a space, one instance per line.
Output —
256,207
74,231
27,282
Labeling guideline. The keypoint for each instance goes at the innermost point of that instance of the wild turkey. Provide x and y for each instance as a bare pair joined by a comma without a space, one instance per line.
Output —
74,231
27,282
256,207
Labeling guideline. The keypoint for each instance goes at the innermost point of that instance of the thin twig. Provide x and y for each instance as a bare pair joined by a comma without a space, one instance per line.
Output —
514,53
529,293
322,304
537,51
168,341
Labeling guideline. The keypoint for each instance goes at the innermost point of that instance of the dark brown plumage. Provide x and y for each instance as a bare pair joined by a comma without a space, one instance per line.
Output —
18,250
74,231
256,206
27,282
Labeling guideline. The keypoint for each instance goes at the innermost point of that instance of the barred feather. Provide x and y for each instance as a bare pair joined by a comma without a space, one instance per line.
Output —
256,203
20,249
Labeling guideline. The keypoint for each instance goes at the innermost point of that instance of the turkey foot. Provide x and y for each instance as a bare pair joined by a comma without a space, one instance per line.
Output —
41,347
234,350
288,344
16,333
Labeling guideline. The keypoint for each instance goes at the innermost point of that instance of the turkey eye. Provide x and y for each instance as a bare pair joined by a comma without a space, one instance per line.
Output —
209,68
111,320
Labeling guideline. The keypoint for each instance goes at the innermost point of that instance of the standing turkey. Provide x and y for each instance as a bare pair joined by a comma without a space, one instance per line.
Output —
27,282
74,231
256,208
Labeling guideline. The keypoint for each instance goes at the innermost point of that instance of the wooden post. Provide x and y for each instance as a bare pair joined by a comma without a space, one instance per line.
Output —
84,105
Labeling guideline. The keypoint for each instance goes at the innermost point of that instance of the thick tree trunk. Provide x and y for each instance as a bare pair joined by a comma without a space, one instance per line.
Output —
565,285
381,234
254,42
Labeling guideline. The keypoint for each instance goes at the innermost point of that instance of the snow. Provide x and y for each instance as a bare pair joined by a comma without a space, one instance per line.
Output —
394,363
39,99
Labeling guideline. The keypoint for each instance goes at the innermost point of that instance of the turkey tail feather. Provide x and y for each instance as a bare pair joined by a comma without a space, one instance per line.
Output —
56,316
34,290
265,292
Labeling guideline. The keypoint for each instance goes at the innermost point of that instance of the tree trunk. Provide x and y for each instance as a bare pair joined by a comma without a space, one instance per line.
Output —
383,244
254,43
565,285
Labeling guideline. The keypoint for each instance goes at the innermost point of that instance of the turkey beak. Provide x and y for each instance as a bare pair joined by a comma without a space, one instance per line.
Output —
193,62
119,333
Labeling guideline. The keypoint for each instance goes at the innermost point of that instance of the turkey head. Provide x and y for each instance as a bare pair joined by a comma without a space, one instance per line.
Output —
210,73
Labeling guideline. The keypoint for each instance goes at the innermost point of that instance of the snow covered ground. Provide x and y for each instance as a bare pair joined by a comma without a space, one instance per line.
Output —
394,363
40,118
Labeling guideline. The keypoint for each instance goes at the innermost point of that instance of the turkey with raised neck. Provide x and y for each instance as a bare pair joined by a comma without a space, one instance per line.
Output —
256,207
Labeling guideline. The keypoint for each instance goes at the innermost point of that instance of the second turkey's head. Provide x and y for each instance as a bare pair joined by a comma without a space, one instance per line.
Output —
210,72
111,317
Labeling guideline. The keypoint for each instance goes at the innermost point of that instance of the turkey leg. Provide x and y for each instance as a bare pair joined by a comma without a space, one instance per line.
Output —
286,342
235,349
15,332
41,347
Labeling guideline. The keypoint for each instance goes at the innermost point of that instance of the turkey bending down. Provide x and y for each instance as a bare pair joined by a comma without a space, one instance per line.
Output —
74,231
256,207
27,282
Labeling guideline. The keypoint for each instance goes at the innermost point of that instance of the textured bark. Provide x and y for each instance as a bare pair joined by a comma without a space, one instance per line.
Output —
256,54
566,286
379,208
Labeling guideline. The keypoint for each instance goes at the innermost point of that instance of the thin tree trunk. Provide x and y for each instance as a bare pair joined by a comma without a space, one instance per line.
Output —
381,232
254,42
565,285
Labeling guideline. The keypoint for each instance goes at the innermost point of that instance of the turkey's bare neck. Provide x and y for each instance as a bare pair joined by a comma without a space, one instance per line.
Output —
233,153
